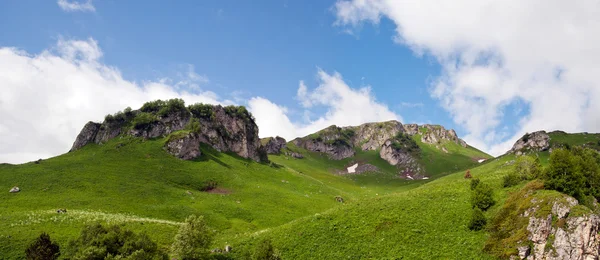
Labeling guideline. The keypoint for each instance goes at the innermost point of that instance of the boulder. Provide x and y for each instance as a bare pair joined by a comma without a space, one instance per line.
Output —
294,154
87,135
535,142
186,147
14,189
274,145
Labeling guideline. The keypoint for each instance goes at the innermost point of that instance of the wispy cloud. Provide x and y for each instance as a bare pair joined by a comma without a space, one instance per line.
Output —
76,6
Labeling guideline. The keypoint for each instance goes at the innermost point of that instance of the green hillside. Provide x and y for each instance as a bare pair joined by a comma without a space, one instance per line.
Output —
136,183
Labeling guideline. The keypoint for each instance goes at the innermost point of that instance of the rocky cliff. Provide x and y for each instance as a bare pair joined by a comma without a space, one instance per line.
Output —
273,145
226,129
339,142
531,142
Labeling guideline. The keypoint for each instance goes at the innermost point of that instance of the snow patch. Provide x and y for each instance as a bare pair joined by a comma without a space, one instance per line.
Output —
481,160
352,169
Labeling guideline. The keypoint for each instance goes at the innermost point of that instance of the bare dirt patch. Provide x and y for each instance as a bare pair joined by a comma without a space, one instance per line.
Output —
219,191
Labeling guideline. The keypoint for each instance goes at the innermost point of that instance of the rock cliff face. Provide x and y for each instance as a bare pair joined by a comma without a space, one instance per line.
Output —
535,142
226,129
396,156
273,145
572,236
339,142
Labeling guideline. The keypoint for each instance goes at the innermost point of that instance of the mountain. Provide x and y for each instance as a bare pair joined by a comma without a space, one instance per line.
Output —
378,190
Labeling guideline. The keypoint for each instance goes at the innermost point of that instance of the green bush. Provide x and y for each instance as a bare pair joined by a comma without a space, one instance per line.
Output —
143,120
193,125
172,106
482,197
193,239
528,167
42,248
474,183
153,106
574,172
264,250
404,142
478,220
112,242
204,111
510,180
239,112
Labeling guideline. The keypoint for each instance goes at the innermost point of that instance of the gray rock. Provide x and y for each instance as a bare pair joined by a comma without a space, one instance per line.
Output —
87,135
186,147
536,141
14,190
398,157
294,154
274,145
228,248
371,136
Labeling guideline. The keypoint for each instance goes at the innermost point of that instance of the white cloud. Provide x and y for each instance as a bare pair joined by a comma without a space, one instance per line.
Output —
542,54
48,97
344,106
411,105
74,6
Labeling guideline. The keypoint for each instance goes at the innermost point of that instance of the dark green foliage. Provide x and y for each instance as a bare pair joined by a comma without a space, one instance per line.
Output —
172,106
347,133
404,142
113,242
563,173
474,183
239,112
193,239
119,117
482,197
42,249
510,179
143,120
264,250
193,125
208,185
152,106
478,220
203,111
574,172
526,137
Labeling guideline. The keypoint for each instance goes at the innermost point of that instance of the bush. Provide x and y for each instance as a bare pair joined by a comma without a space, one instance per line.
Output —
478,220
239,112
113,242
204,111
404,142
527,167
193,239
152,106
563,173
265,251
42,248
143,120
474,183
510,179
193,125
482,197
172,106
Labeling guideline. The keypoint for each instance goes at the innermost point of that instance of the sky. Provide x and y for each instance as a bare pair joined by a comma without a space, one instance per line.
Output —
491,70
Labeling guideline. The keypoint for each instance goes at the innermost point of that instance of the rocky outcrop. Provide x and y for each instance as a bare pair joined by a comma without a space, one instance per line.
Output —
273,145
371,136
294,154
14,190
335,149
533,142
561,233
411,129
186,147
434,134
400,157
226,129
87,135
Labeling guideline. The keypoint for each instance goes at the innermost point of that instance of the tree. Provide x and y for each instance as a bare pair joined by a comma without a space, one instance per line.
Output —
193,239
563,173
478,220
113,242
265,251
527,167
482,197
42,248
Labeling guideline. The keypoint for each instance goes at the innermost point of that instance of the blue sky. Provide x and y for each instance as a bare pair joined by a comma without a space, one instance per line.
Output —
421,63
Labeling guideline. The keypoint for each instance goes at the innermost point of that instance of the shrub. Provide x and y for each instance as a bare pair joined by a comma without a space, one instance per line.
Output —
239,112
510,179
152,106
264,250
193,125
478,220
193,239
474,183
113,242
172,106
482,197
204,111
404,142
42,248
468,175
527,167
563,173
143,120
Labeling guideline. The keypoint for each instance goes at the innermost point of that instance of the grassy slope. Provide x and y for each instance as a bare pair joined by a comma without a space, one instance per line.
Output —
135,183
426,222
